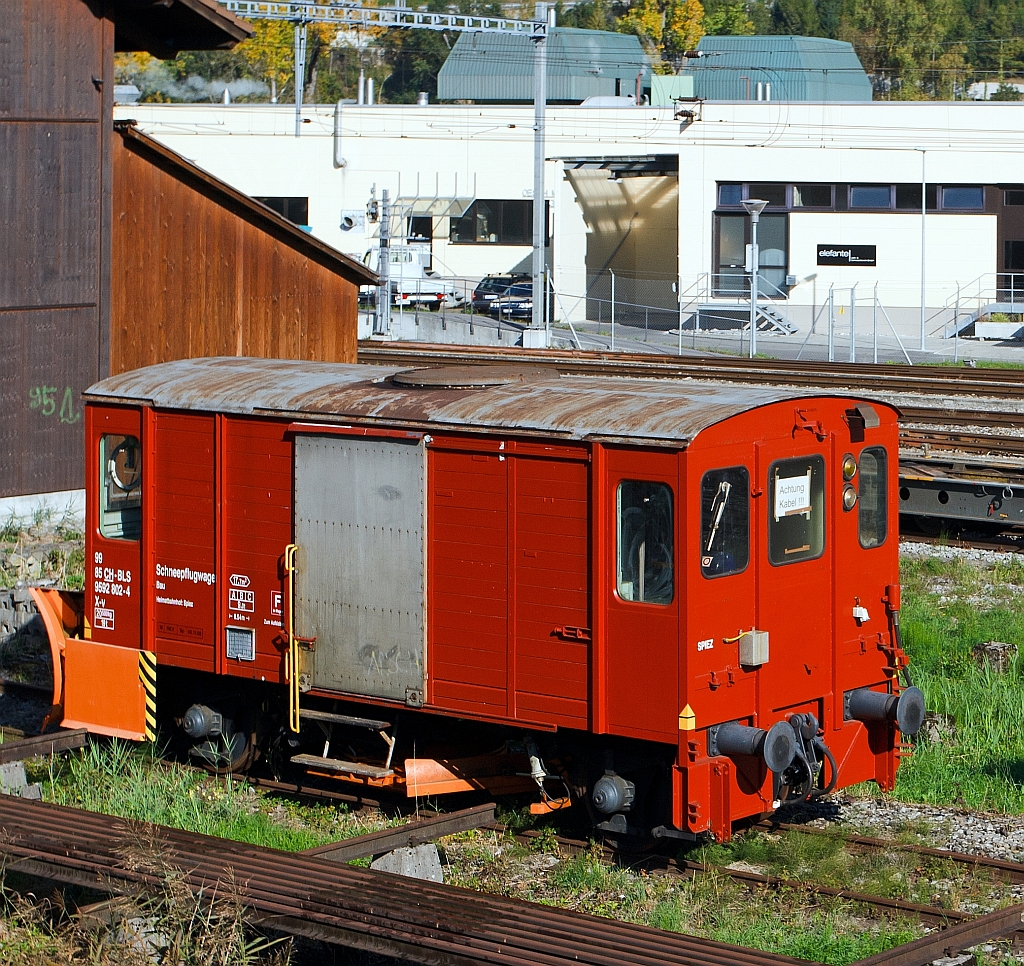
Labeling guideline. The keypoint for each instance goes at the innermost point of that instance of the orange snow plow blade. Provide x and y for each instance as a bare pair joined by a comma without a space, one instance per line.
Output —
110,690
61,612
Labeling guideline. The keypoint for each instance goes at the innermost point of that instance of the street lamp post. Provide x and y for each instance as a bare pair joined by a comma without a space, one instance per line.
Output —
754,208
924,210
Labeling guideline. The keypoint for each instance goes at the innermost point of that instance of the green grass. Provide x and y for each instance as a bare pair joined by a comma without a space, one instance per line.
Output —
948,608
130,781
712,905
982,364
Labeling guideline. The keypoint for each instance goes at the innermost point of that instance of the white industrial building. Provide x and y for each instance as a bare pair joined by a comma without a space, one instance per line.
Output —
654,195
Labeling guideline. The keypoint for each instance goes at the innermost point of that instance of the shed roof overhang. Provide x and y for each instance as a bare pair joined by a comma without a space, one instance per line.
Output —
164,28
635,166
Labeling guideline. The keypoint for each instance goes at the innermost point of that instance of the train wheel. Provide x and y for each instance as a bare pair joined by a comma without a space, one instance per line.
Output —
226,756
220,744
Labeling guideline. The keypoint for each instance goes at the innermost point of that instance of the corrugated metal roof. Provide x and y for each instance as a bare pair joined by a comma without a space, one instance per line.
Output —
797,68
659,412
581,64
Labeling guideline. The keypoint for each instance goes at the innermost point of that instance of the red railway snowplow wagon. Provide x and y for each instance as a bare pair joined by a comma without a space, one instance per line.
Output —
673,602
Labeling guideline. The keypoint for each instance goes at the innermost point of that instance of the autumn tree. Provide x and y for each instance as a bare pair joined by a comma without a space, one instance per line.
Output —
270,53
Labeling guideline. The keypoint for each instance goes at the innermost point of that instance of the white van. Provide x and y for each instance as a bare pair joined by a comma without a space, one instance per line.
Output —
413,282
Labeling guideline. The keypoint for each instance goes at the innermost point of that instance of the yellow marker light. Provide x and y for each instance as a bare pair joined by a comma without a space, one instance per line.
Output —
849,467
687,719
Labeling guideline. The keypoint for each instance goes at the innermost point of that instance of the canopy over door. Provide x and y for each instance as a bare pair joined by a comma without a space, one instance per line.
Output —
360,583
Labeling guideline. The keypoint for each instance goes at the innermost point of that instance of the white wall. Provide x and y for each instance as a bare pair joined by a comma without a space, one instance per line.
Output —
957,247
487,152
882,142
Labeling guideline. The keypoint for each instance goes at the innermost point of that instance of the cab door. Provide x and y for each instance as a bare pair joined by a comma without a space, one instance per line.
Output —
794,587
721,572
642,509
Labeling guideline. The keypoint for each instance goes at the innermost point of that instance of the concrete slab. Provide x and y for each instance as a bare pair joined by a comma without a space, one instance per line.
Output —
421,862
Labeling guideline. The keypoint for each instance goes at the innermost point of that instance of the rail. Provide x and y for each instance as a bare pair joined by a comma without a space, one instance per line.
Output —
876,378
409,919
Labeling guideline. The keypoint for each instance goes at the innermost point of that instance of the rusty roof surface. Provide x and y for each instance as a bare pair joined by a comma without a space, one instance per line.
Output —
658,411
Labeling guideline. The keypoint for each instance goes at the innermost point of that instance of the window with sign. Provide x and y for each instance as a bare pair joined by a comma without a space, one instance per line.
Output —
644,551
724,521
872,492
120,487
796,510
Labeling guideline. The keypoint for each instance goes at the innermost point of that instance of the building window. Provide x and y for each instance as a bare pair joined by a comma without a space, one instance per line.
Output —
494,223
870,196
120,487
724,521
732,235
1014,196
296,210
1013,256
963,197
774,194
908,197
731,195
812,196
796,510
644,554
863,197
730,244
421,228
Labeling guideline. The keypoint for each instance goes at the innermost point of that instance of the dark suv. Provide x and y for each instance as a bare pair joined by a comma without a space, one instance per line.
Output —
491,287
516,302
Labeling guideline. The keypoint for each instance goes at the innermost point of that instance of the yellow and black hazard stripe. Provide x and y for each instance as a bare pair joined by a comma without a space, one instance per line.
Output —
147,677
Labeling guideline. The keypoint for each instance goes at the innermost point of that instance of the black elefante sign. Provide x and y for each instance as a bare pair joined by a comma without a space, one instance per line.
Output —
846,255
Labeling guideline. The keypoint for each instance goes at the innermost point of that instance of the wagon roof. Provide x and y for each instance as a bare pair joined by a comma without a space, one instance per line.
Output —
654,411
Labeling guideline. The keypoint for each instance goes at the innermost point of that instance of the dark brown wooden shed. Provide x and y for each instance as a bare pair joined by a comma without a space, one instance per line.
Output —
56,106
201,269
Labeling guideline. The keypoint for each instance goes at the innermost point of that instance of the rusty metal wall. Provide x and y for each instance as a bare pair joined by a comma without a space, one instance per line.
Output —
56,98
360,589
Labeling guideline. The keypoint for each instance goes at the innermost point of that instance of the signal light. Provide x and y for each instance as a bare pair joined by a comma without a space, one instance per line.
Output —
849,497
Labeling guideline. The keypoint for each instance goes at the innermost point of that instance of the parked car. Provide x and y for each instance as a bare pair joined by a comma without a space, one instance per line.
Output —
492,286
516,302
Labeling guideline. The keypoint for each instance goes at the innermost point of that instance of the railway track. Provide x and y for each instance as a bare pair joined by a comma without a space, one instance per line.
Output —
414,920
1001,870
23,837
949,385
959,441
410,919
928,380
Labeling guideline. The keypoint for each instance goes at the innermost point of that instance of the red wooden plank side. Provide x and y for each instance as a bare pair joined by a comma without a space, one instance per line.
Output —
183,540
258,504
468,614
552,592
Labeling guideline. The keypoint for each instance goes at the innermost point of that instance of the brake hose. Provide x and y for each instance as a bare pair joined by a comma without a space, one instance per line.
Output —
823,748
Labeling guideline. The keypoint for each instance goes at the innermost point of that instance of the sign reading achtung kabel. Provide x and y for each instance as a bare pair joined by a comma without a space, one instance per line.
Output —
846,254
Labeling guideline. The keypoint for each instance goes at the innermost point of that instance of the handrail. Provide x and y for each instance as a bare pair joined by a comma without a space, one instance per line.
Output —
291,665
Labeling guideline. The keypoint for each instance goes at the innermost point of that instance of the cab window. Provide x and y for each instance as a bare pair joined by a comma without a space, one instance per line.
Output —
644,551
724,521
796,510
120,487
872,510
